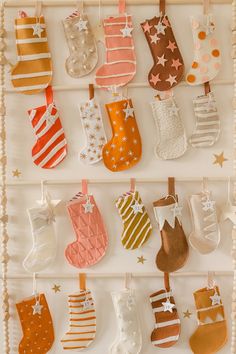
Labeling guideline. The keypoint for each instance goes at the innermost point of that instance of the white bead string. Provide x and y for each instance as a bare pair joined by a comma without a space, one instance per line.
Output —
4,216
233,313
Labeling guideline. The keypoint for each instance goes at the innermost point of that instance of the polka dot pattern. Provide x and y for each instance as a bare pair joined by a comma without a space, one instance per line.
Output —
207,56
38,332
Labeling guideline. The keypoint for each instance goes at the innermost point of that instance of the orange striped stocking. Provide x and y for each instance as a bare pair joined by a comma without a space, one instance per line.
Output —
36,321
33,72
167,326
120,65
51,147
124,150
82,323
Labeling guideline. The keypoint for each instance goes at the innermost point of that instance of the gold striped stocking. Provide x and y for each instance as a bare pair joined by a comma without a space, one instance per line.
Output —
137,225
82,322
207,130
167,322
33,72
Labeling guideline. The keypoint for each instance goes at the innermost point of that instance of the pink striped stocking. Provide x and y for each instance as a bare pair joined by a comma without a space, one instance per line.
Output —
92,239
120,65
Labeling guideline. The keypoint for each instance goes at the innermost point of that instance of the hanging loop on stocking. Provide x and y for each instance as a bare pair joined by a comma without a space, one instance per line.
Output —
162,7
91,91
210,280
84,186
38,9
206,6
43,192
35,292
167,281
205,185
80,6
207,87
82,281
122,6
128,278
132,185
49,95
171,186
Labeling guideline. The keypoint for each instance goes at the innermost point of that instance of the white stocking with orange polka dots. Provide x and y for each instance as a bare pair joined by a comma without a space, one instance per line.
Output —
207,57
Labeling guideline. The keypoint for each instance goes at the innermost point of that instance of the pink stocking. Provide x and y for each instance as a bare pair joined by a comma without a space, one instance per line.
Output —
92,239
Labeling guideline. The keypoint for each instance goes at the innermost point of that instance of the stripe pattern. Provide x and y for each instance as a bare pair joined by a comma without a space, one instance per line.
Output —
82,321
120,65
137,225
50,148
207,130
33,72
167,324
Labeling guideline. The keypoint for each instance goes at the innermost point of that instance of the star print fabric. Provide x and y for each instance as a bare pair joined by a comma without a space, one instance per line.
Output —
92,123
124,150
174,250
211,334
50,148
167,323
38,331
137,225
91,236
207,55
207,130
129,337
43,251
33,71
205,236
168,68
82,45
172,141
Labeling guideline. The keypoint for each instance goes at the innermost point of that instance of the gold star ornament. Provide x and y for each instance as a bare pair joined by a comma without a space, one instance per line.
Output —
141,260
56,288
187,314
219,159
16,173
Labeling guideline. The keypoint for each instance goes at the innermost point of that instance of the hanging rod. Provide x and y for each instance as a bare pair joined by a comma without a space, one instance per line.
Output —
114,181
116,275
63,3
84,86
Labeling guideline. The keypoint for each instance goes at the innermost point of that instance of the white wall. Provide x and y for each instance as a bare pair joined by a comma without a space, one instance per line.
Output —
194,163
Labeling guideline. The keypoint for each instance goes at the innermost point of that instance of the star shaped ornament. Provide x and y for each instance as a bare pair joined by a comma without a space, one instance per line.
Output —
87,304
37,308
16,173
187,314
208,205
56,288
127,31
137,208
215,299
160,28
129,111
168,306
141,260
37,29
219,159
88,207
81,25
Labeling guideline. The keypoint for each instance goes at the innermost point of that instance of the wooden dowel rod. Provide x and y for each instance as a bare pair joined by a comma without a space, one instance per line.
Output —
85,86
117,275
66,3
114,181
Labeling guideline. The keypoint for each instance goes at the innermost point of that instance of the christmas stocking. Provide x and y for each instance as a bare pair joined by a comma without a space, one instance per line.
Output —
167,322
207,129
206,235
170,130
168,68
137,225
92,239
211,334
82,45
207,58
174,250
120,65
50,148
44,248
129,338
82,323
37,326
92,123
33,72
124,150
